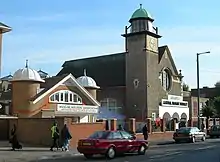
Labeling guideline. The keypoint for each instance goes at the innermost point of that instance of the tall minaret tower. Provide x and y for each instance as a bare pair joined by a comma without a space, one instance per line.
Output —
3,29
141,40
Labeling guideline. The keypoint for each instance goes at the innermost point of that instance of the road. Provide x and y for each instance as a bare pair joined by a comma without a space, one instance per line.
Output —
200,151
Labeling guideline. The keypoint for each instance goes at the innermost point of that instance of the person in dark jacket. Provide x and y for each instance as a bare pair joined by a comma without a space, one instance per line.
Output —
65,137
145,132
55,136
14,141
120,127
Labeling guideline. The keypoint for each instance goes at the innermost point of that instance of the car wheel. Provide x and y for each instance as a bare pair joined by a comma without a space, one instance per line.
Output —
110,154
88,156
177,141
203,138
142,150
193,139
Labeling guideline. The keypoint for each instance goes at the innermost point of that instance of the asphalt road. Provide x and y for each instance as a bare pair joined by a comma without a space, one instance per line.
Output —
200,151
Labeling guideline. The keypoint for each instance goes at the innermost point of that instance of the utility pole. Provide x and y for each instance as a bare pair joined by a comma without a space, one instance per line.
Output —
198,89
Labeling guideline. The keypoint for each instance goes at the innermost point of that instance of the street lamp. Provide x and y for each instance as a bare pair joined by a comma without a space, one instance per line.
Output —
198,90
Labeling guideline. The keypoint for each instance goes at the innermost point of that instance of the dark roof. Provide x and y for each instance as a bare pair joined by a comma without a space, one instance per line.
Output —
42,72
5,28
1,24
49,83
107,70
161,51
206,92
7,78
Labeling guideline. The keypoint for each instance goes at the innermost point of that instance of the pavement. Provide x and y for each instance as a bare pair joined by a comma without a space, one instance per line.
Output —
161,152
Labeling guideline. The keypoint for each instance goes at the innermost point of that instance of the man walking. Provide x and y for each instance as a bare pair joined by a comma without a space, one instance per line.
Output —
145,132
55,136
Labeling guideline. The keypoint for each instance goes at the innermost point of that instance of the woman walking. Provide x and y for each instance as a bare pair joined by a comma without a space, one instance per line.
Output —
14,141
65,137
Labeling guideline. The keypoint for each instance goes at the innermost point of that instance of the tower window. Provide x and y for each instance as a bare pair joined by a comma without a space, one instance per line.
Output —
166,79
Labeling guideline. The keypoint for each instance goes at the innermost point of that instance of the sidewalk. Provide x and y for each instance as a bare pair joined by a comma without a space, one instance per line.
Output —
43,153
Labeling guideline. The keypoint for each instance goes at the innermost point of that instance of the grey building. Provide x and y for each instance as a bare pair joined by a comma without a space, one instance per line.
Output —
141,82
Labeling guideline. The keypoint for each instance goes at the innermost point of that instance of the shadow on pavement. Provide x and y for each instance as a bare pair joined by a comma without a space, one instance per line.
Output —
82,158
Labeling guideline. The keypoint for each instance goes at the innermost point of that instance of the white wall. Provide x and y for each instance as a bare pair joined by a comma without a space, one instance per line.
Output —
171,110
84,119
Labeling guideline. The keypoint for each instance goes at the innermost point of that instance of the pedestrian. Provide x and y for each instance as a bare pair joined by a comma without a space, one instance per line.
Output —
145,132
55,136
120,127
14,141
65,138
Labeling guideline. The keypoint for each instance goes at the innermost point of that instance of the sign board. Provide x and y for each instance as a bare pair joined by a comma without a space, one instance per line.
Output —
77,109
174,97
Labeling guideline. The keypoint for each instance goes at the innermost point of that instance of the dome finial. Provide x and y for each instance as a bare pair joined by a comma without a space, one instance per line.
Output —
84,72
140,6
26,65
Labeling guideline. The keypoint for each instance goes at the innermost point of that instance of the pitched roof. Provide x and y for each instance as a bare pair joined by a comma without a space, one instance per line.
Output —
49,83
5,28
54,84
107,70
43,72
8,77
162,50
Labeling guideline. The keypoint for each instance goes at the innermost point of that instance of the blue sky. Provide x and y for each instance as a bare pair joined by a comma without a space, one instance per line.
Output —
48,32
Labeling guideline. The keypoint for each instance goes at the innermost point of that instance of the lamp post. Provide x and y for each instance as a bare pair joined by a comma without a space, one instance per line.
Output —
198,90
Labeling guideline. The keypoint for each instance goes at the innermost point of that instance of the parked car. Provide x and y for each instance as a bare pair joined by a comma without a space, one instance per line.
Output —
214,131
111,143
189,134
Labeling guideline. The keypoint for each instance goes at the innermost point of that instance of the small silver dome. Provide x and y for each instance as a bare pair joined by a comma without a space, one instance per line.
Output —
87,81
27,74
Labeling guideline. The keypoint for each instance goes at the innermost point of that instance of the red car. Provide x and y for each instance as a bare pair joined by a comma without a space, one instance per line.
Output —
111,143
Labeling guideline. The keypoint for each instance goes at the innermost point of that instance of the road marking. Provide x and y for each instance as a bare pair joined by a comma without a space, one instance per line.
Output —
167,154
204,148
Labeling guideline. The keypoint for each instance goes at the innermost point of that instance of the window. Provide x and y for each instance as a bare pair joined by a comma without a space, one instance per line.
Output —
126,135
165,78
116,135
111,104
99,135
65,96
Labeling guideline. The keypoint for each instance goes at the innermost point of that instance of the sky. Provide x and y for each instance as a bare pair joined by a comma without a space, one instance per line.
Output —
49,32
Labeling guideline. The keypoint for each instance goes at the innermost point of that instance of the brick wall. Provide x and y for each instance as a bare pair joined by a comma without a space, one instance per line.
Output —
158,136
4,129
36,131
83,130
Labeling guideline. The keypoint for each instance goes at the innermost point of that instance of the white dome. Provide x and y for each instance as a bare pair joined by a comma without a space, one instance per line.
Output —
27,74
87,81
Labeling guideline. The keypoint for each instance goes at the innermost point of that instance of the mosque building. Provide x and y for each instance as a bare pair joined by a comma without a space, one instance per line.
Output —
142,82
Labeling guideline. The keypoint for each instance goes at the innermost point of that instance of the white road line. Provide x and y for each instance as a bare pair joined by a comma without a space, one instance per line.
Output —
204,148
164,155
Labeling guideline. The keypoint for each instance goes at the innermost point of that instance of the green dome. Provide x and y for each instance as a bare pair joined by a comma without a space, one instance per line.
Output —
141,13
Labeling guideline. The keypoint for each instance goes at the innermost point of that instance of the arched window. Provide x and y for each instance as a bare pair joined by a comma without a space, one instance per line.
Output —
65,96
166,79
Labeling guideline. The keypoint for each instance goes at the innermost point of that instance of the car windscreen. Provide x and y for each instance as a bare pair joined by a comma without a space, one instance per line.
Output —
215,127
99,135
183,130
